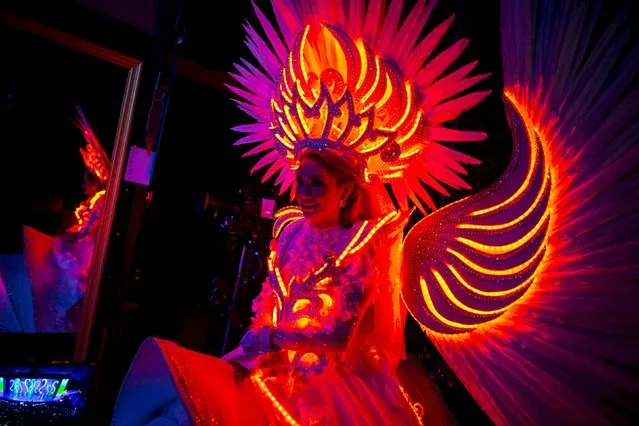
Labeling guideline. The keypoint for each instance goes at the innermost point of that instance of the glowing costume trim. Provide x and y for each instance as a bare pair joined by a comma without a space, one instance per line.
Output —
96,160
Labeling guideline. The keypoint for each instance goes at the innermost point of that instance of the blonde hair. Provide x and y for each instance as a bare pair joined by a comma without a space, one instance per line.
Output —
360,204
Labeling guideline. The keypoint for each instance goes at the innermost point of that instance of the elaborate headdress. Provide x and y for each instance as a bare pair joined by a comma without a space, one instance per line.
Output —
360,88
89,212
93,155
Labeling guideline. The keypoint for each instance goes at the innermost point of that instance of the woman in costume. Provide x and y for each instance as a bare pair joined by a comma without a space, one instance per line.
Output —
527,288
59,283
329,339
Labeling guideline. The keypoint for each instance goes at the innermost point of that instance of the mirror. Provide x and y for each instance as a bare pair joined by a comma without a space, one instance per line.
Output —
65,118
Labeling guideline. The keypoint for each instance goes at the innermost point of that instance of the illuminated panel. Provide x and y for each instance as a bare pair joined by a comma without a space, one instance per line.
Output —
35,389
62,388
467,264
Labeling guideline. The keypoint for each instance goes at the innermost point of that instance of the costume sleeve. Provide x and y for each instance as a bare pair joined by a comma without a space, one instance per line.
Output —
324,316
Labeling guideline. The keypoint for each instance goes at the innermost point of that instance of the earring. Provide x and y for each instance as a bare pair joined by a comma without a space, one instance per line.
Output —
342,203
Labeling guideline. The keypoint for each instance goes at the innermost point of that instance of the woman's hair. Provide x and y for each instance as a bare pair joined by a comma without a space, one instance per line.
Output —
360,204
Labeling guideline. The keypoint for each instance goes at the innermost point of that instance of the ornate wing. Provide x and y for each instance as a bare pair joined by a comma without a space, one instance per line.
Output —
476,258
528,288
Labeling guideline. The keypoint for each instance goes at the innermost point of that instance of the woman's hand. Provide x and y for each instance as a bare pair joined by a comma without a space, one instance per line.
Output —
257,340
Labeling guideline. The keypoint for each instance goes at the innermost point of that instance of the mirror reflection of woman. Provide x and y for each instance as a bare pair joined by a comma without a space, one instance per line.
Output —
73,251
43,288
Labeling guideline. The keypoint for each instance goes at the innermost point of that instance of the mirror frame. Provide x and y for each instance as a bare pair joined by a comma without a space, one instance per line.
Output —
118,156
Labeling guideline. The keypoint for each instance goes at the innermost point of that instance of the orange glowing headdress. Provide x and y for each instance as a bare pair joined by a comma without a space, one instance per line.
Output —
93,155
359,88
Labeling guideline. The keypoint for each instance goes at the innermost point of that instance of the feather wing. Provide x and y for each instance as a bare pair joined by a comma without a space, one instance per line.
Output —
528,288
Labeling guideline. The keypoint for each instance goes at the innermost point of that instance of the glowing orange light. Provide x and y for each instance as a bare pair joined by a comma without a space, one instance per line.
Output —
498,272
517,220
484,293
300,304
433,310
451,296
279,407
309,358
85,210
417,408
327,304
508,248
306,322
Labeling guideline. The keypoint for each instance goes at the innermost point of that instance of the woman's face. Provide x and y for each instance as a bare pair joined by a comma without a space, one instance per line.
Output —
318,194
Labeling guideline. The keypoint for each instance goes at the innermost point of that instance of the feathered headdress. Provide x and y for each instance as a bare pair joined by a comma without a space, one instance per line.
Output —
93,155
366,88
89,212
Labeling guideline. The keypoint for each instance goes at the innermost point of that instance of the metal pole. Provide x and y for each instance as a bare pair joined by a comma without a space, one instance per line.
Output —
236,286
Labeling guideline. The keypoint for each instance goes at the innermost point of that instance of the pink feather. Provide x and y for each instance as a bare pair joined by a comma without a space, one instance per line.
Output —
445,134
435,68
386,37
272,36
266,160
253,138
452,109
425,48
264,146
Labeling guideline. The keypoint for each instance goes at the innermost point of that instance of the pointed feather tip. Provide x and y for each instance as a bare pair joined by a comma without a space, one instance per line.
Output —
239,67
78,109
235,77
482,77
240,128
232,88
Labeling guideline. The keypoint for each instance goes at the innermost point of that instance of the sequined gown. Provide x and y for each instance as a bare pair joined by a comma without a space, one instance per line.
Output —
329,370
